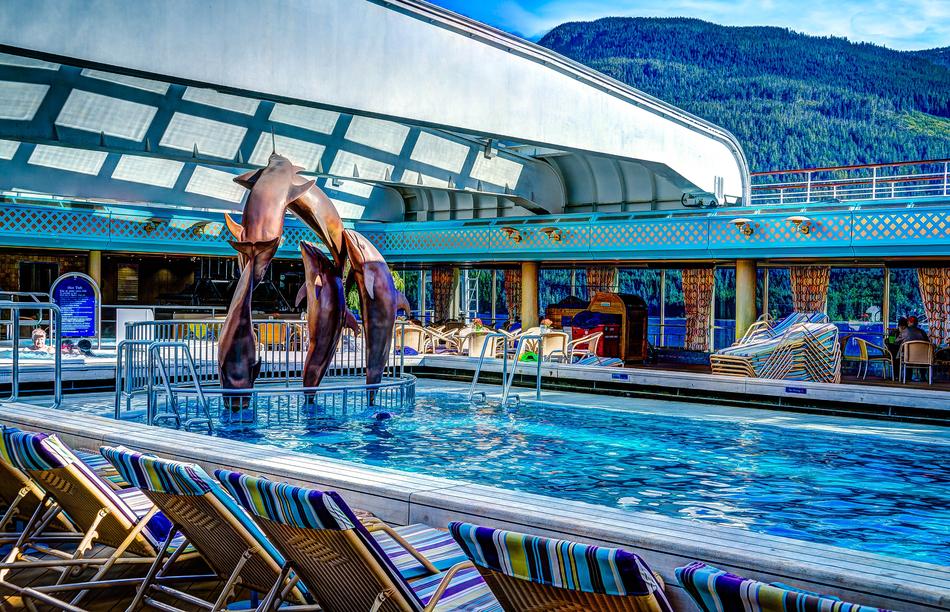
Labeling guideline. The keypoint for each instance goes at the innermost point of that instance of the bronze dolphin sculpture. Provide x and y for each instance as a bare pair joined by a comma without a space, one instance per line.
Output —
318,213
326,304
238,366
273,188
402,303
377,302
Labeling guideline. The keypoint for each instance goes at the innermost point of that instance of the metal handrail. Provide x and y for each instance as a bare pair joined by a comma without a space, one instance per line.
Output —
514,368
125,373
155,357
15,308
930,179
481,360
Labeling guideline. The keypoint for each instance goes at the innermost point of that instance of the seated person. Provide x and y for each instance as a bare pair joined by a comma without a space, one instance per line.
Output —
895,334
913,332
39,341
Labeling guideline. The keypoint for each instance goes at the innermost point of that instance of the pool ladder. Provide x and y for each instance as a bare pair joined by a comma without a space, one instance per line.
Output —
156,358
507,379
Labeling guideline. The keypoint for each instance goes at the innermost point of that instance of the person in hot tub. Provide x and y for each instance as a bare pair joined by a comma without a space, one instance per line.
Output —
39,341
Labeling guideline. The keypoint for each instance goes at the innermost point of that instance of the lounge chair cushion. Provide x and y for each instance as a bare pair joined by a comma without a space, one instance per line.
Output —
437,545
713,590
467,591
557,563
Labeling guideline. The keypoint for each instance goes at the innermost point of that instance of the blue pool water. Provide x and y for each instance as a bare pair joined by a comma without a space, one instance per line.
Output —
867,492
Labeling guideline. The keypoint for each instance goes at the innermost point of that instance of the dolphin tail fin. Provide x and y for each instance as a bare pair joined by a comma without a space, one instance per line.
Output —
236,229
297,190
248,179
301,295
250,250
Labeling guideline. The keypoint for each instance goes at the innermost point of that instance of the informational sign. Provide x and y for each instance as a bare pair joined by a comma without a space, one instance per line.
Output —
77,296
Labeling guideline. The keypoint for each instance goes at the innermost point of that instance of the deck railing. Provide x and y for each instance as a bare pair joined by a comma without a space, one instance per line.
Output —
908,179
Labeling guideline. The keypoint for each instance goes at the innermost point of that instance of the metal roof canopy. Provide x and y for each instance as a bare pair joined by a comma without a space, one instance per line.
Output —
586,141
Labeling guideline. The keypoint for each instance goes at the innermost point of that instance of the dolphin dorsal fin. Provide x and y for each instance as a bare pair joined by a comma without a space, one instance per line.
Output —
236,229
296,191
248,179
368,281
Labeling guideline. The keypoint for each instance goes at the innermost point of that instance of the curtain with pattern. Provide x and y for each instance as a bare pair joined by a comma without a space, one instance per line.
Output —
513,294
809,288
601,278
443,282
698,302
935,293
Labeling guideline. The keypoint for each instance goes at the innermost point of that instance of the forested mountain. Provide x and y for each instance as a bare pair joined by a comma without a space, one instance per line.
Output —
793,100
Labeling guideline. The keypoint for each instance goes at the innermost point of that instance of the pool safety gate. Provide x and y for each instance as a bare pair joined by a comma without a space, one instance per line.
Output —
174,365
56,319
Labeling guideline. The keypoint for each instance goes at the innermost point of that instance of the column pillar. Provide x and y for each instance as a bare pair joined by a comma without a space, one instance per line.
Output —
529,294
94,267
745,295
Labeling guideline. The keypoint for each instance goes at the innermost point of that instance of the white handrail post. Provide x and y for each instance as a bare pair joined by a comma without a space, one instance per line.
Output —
808,188
946,176
874,182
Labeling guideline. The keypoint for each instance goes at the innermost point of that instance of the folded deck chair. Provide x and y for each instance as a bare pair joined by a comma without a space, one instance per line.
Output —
534,573
594,360
125,521
339,560
714,590
229,541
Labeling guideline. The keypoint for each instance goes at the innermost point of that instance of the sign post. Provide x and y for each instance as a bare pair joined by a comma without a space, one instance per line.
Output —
78,297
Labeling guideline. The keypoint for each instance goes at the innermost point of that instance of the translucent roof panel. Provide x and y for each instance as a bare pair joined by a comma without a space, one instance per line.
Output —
439,152
92,112
367,168
26,62
313,119
215,184
212,137
8,148
383,135
148,170
497,171
300,152
20,101
210,97
63,158
157,87
348,210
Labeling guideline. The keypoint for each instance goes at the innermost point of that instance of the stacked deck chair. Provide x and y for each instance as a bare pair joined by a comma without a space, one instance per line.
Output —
714,590
199,509
528,573
118,527
800,347
340,562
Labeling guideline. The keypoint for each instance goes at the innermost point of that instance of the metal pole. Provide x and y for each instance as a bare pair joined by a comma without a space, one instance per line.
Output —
808,188
886,307
946,176
662,341
874,182
15,380
494,297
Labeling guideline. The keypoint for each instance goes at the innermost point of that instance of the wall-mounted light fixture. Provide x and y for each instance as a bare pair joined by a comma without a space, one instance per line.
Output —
802,224
512,234
553,233
744,225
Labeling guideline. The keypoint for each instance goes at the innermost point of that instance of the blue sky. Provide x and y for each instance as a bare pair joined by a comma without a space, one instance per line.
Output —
899,24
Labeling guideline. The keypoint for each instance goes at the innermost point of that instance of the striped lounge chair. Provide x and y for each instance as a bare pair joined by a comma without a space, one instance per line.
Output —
534,573
340,561
714,590
20,496
199,509
123,520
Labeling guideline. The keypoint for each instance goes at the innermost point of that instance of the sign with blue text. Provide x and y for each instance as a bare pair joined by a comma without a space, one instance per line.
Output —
77,295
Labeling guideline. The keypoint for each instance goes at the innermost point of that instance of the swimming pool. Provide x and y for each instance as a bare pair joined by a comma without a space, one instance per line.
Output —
866,492
871,492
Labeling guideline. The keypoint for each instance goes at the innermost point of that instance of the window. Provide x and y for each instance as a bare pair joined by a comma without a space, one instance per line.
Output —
904,296
724,308
780,293
37,276
674,331
646,284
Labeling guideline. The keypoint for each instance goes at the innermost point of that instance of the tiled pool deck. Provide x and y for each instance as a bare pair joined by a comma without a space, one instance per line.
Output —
401,497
